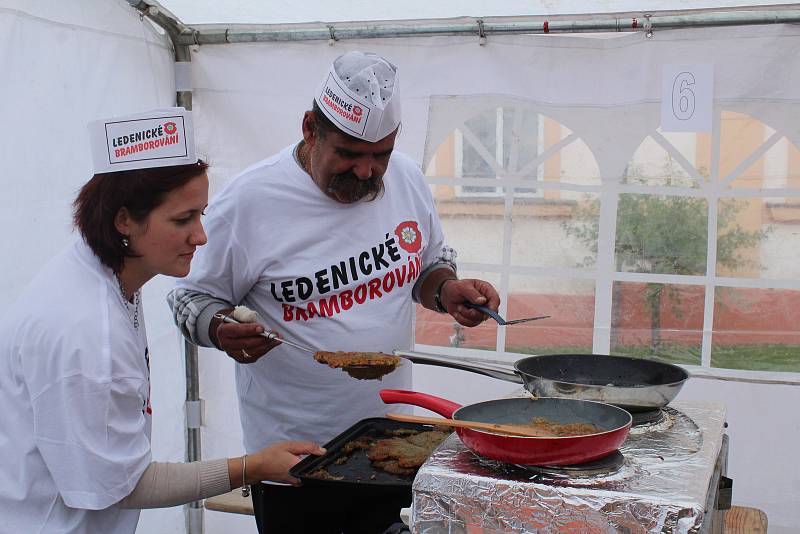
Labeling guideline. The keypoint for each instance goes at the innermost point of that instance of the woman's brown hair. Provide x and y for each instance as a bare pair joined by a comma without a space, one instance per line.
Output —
140,191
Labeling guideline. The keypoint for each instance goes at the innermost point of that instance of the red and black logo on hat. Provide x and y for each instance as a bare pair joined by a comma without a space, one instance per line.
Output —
170,128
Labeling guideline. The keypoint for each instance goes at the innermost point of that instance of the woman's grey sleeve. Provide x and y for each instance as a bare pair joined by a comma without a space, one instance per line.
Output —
170,484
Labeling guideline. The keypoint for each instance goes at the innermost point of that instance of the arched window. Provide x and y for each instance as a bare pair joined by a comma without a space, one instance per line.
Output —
682,254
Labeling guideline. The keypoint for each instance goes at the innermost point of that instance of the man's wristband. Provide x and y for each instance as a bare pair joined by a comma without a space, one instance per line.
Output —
437,297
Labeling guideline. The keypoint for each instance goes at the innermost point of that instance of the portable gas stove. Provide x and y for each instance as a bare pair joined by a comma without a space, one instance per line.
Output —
668,477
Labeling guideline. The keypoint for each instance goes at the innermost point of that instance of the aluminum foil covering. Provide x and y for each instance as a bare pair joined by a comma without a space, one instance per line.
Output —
662,486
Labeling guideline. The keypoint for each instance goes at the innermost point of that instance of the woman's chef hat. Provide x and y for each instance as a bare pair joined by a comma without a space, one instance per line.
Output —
159,138
359,94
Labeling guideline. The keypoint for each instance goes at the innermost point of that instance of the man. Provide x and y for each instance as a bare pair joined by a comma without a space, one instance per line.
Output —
330,241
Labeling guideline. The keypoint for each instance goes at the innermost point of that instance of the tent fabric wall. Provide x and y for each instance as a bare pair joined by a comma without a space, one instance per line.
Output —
249,100
59,71
64,64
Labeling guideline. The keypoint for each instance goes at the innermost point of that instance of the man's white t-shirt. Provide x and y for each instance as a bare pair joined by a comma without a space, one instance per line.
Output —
74,386
328,275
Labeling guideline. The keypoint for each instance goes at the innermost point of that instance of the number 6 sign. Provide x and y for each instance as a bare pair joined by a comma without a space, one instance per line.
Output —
687,98
682,96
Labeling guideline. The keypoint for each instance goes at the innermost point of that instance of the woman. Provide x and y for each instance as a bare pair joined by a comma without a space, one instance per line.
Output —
74,364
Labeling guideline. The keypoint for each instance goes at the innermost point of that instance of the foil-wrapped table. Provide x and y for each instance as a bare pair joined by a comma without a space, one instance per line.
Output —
662,485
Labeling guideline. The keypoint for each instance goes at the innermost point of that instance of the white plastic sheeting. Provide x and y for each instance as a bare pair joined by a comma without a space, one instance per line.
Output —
249,101
61,69
65,64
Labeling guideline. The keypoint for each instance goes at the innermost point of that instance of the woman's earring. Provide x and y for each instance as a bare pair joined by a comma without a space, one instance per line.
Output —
125,242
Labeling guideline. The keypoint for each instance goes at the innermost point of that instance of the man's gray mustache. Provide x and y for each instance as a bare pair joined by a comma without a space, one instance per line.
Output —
353,189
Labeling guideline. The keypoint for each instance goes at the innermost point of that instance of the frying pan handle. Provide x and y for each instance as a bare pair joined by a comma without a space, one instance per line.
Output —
443,407
485,369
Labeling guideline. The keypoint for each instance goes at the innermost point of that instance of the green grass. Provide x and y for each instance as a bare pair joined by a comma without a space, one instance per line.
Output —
783,358
667,353
758,357
550,350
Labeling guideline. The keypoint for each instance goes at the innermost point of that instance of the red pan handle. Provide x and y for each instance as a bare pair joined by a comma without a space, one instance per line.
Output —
443,407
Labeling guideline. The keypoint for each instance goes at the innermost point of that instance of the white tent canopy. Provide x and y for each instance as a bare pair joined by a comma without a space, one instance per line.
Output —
595,105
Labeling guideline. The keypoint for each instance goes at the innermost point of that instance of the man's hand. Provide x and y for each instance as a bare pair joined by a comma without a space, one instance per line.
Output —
242,342
454,293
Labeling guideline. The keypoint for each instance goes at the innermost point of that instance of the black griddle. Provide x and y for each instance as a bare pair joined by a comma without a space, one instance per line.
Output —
357,471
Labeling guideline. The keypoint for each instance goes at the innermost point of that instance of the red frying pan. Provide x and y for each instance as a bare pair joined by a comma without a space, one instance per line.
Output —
613,422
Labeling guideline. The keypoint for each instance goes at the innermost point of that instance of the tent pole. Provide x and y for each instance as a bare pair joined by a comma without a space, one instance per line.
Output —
193,420
183,35
209,35
194,404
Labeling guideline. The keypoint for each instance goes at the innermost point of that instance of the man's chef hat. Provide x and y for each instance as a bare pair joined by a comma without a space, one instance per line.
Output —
159,138
359,94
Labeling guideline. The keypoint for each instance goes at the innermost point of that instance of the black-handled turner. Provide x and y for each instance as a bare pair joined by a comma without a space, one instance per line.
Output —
494,315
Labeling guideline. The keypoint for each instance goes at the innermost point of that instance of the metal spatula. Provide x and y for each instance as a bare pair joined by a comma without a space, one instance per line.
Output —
361,372
494,315
267,334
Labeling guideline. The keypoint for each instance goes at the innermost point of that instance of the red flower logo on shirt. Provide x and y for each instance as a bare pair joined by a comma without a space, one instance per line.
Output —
409,236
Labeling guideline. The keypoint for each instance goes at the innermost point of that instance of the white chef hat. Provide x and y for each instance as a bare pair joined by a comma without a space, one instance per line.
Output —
158,138
359,94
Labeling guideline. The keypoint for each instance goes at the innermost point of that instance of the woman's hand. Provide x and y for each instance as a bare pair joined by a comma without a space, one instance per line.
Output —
273,462
454,293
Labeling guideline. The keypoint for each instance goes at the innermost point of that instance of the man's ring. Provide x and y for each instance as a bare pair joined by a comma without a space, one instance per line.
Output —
245,355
